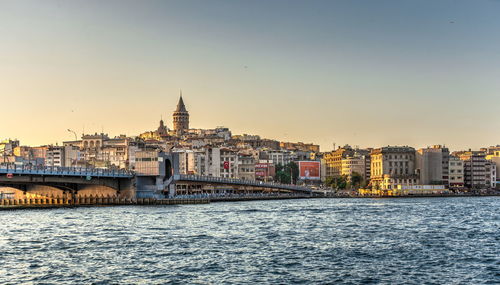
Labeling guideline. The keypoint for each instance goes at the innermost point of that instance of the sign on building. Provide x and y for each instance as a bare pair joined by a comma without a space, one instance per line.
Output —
309,170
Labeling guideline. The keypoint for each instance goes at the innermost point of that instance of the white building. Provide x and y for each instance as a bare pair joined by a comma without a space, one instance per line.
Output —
353,164
208,162
495,158
246,166
432,164
55,156
229,163
190,160
280,157
491,173
72,156
456,171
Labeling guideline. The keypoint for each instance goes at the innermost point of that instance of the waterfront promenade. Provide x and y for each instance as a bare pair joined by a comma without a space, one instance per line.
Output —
6,204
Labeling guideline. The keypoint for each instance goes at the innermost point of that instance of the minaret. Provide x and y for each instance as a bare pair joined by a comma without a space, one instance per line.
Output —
181,117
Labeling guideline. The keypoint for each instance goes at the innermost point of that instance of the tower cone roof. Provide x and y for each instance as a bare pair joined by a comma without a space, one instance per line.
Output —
180,106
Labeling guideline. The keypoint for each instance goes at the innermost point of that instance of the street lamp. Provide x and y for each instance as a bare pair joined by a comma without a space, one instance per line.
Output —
71,131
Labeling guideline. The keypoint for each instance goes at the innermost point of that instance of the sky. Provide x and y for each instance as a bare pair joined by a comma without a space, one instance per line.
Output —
366,73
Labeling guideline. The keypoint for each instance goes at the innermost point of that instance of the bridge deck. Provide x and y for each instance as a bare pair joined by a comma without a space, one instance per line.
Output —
233,181
68,171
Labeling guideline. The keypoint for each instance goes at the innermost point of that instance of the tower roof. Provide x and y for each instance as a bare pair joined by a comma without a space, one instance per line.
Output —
180,106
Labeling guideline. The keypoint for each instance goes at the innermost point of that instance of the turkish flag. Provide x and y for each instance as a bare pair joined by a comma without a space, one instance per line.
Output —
226,164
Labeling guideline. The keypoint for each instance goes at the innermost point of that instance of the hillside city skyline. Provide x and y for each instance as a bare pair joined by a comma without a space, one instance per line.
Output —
217,152
168,122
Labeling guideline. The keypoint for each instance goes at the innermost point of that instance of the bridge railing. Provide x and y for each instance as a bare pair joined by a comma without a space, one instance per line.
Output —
66,171
224,180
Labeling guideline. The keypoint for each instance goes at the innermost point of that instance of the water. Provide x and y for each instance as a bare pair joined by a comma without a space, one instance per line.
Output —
342,241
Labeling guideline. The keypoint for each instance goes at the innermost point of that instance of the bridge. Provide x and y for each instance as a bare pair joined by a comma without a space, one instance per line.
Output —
25,181
74,182
240,182
67,171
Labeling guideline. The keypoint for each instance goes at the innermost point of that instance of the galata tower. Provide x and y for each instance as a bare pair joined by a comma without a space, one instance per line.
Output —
181,118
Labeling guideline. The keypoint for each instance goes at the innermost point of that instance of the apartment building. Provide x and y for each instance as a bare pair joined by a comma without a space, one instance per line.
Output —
392,166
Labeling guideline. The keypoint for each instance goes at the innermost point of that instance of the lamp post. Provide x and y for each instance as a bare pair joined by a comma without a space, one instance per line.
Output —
71,131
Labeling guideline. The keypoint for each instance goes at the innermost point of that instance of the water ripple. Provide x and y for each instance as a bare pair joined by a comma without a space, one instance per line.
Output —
321,241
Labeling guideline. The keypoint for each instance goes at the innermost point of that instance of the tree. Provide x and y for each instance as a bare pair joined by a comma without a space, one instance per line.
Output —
356,180
284,174
337,182
342,182
330,181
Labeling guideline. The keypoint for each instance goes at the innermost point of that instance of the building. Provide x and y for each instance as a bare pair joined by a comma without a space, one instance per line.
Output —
333,160
264,171
392,166
355,164
246,166
300,146
7,151
432,164
407,190
475,169
55,156
191,161
39,152
25,155
229,163
456,173
254,142
162,130
490,150
72,156
209,162
323,169
180,118
279,157
494,157
99,150
491,174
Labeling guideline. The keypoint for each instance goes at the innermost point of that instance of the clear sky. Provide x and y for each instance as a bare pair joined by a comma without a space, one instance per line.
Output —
367,73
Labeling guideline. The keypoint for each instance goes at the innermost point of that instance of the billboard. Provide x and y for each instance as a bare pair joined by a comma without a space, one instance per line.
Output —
309,170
